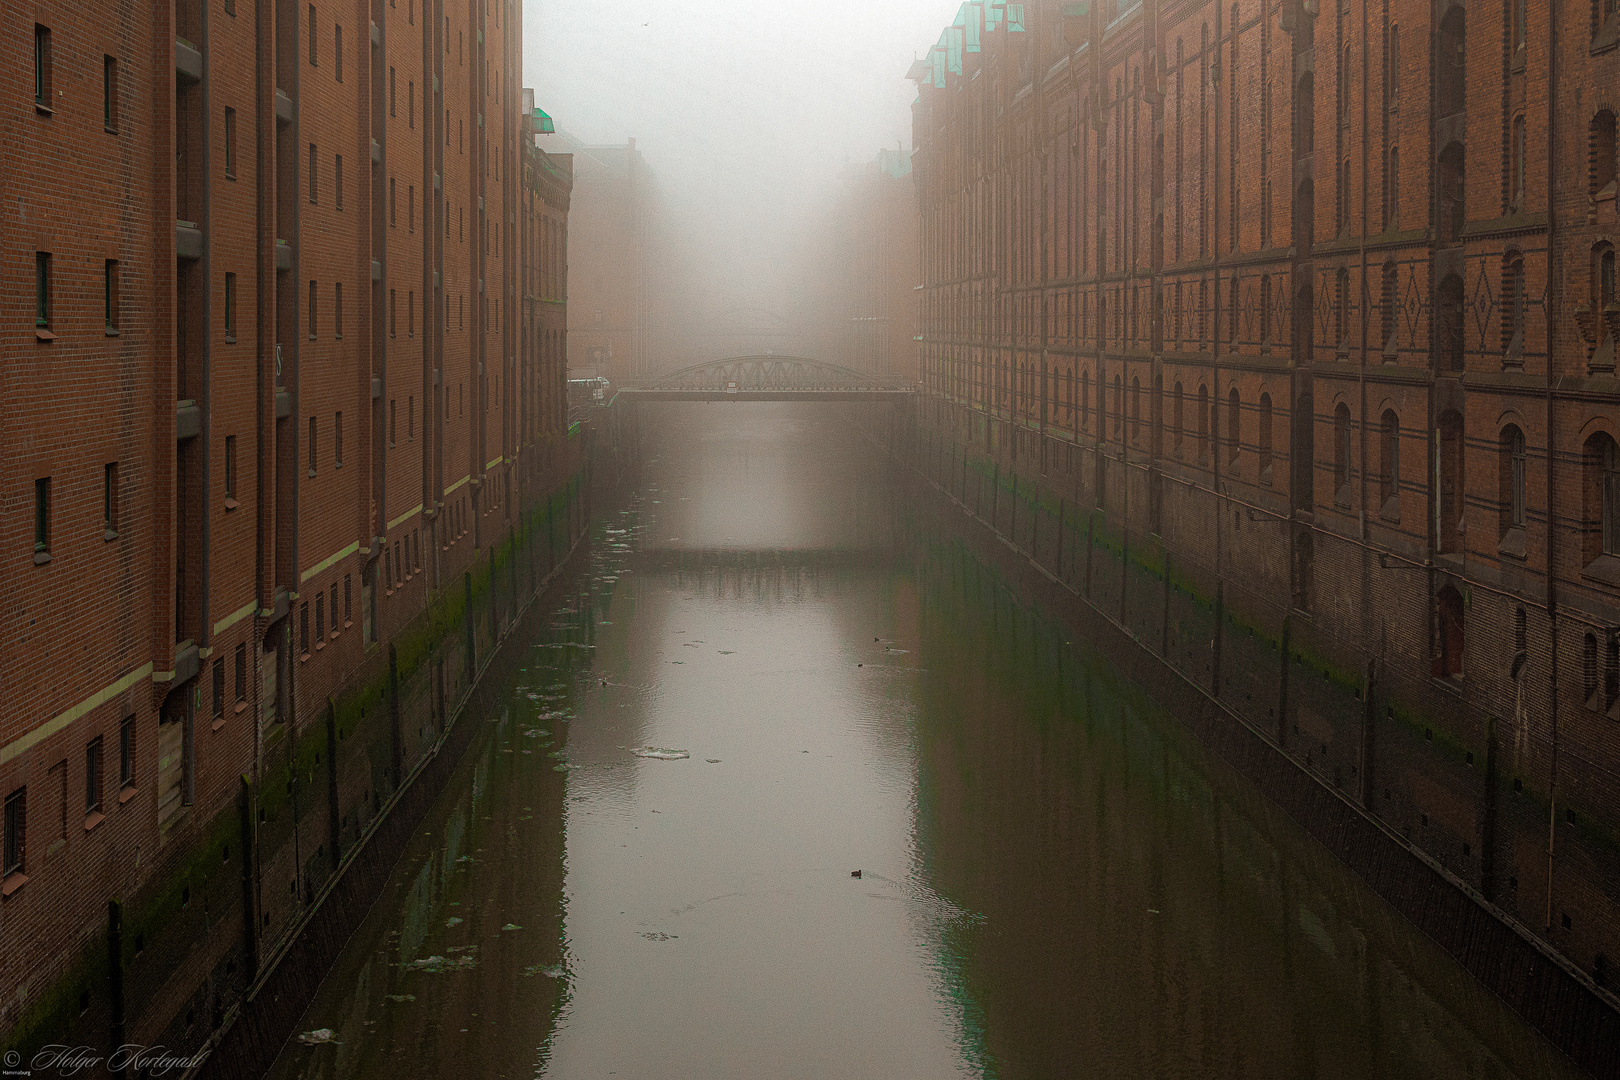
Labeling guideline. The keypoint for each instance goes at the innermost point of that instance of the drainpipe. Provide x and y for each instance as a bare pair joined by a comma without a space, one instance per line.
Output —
1552,583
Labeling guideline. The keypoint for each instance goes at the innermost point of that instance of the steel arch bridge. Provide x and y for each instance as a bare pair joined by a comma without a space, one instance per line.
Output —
769,378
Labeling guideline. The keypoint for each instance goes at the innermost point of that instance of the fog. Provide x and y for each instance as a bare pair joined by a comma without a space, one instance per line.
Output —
747,113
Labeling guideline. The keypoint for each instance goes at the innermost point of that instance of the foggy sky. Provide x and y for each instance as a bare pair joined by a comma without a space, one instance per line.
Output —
748,111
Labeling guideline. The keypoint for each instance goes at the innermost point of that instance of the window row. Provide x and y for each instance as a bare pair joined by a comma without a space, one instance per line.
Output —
324,631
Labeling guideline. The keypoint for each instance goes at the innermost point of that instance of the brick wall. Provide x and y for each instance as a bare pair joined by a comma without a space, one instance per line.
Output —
228,529
1312,300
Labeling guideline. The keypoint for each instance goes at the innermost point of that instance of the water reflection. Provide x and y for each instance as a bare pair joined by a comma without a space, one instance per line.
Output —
1053,879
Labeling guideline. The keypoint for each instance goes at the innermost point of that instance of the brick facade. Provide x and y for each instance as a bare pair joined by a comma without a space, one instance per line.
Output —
1316,304
299,365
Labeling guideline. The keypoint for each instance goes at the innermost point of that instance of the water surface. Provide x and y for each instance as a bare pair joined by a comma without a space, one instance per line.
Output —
916,833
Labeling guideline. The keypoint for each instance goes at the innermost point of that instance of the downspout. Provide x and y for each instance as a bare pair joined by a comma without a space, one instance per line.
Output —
1552,581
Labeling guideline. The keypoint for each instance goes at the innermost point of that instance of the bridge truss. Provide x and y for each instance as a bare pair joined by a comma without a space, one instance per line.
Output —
769,378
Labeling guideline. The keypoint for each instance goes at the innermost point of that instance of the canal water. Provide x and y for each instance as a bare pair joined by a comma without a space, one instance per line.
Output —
788,784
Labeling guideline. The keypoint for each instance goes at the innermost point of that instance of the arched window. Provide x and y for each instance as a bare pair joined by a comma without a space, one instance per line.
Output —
1521,23
1601,491
1233,427
1589,670
1392,189
1265,439
1516,179
1203,425
1341,454
1450,59
1342,217
1448,324
1389,466
1510,482
1232,313
1603,278
1179,418
1449,663
1136,409
1513,308
1451,211
1601,168
1265,309
1341,308
1388,286
1119,409
1451,482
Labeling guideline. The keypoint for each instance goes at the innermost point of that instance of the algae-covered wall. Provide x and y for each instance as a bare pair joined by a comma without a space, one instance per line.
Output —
223,910
1338,681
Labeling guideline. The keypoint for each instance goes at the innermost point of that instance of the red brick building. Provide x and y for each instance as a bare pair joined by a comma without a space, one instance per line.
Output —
868,270
1315,303
285,356
618,288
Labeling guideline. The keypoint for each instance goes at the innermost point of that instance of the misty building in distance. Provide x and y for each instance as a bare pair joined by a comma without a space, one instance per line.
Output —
1308,313
866,271
613,278
286,373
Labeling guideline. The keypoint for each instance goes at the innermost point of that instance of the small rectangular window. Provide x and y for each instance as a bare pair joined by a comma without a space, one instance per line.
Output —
337,181
312,446
230,307
337,51
109,499
303,631
312,35
313,190
92,776
126,753
230,472
42,290
346,598
109,293
42,517
42,66
337,310
337,442
219,687
230,143
109,93
320,619
241,674
312,310
16,833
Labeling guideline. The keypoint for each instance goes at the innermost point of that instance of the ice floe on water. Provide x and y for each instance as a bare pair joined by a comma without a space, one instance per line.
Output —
659,753
435,963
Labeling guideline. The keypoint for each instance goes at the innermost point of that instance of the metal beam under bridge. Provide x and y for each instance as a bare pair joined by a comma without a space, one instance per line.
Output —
671,394
769,378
